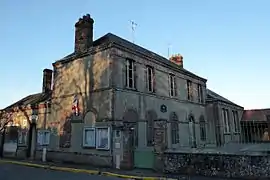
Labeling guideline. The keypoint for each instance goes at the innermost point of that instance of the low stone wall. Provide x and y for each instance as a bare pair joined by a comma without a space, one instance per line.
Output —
220,165
78,158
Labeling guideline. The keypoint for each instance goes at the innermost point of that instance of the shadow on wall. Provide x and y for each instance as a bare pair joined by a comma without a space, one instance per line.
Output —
78,78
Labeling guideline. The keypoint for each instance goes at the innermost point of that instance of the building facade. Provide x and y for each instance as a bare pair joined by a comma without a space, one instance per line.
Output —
224,119
108,95
21,121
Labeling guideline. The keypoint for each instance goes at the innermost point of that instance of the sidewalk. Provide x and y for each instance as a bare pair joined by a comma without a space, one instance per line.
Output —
140,174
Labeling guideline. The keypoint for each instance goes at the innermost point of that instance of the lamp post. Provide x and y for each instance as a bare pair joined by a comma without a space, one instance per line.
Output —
34,118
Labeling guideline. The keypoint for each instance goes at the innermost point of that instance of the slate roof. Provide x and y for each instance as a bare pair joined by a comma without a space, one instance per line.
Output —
212,96
32,99
111,38
256,115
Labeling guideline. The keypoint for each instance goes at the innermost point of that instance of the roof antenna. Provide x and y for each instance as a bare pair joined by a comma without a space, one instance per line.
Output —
169,50
133,26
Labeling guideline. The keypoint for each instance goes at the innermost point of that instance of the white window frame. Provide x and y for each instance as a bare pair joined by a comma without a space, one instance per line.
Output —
98,138
128,62
150,73
172,85
44,140
84,134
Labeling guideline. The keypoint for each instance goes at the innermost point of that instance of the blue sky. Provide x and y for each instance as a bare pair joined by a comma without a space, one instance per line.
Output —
226,42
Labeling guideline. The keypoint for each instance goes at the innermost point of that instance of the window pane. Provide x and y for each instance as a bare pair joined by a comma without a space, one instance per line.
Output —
102,138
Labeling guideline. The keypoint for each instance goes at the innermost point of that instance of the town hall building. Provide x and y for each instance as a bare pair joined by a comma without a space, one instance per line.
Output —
116,104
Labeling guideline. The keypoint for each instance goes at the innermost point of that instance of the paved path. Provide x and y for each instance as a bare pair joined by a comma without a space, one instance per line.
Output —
17,172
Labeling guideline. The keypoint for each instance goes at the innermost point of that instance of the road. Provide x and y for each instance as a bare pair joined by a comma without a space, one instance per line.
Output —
16,172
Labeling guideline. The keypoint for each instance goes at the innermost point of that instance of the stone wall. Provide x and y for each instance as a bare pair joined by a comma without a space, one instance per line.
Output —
96,160
221,165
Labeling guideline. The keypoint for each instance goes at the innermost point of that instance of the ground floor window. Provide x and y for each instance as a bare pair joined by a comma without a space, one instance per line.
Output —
103,138
89,137
22,137
43,137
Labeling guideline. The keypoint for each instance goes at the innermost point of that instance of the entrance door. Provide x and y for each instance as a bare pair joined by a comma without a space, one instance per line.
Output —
31,145
128,146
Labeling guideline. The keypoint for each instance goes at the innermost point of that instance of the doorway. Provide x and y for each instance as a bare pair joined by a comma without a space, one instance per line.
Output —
31,143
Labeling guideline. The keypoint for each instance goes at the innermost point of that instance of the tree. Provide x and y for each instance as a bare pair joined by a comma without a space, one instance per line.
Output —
5,119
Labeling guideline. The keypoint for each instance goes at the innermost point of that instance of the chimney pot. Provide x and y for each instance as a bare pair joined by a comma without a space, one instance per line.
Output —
177,59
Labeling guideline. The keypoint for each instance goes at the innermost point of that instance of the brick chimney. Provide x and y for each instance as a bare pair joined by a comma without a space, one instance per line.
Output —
47,80
83,33
177,59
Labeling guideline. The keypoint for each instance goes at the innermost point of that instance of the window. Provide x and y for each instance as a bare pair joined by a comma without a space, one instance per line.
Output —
151,116
43,137
102,138
174,128
202,129
236,121
22,137
130,74
150,79
189,90
172,85
225,115
200,93
89,137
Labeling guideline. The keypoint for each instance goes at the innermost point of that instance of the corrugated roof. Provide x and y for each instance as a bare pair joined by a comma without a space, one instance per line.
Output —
256,115
212,96
32,99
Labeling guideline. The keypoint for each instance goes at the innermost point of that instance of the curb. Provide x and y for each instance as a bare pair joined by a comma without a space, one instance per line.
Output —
75,170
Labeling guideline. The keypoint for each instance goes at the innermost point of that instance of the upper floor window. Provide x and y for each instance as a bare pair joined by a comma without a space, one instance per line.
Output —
189,90
150,79
130,74
200,93
174,128
202,129
236,121
172,84
226,125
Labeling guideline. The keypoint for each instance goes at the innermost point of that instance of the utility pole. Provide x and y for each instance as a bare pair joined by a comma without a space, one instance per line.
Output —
133,26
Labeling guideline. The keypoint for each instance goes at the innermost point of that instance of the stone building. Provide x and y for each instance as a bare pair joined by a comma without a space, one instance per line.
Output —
21,121
117,104
224,118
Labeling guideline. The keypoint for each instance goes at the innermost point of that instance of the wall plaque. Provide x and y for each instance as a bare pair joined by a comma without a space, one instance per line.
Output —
163,108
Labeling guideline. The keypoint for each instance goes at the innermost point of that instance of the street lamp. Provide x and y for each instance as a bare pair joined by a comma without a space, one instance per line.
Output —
34,118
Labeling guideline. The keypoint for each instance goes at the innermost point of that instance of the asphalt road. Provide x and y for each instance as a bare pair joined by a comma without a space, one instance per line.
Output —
16,172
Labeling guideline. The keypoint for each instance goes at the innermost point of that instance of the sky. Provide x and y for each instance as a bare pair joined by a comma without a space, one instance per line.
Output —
226,42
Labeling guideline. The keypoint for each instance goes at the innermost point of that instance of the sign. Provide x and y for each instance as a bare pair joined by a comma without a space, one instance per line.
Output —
75,105
163,108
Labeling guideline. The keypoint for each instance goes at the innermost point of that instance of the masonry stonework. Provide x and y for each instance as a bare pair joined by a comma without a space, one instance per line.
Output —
220,165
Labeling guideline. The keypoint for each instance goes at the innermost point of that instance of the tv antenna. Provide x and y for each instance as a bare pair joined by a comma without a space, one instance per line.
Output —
169,50
133,26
